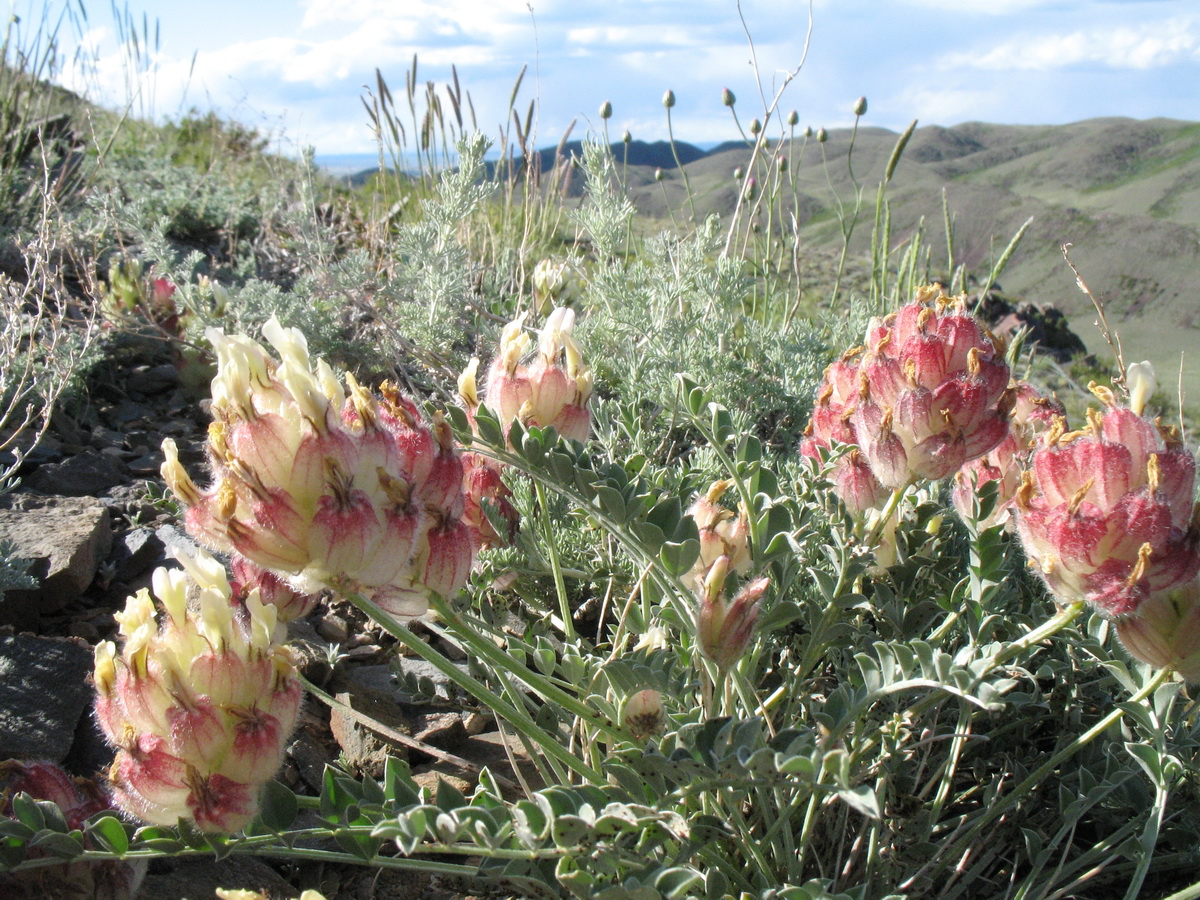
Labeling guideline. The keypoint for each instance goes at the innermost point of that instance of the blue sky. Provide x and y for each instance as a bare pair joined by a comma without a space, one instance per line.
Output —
296,69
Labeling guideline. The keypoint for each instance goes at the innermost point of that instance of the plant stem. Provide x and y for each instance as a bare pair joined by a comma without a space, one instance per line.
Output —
1021,791
560,586
1050,627
518,718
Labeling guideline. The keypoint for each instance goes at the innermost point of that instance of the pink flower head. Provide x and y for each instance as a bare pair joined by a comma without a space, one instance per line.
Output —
198,705
931,392
853,480
551,390
1030,418
324,486
1105,514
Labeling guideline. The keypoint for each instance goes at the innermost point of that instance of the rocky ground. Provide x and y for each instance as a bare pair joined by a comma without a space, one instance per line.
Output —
91,515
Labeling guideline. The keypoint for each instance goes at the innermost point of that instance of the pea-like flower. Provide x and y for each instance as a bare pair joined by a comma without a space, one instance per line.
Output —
723,534
554,283
1165,632
932,391
198,704
830,427
1030,418
327,487
551,390
1105,514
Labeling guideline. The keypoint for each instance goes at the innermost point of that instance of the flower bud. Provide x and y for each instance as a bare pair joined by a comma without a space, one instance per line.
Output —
1165,631
727,97
606,110
860,106
1140,380
658,175
554,284
822,135
781,162
626,137
198,705
724,627
755,126
489,512
643,714
793,118
739,173
669,99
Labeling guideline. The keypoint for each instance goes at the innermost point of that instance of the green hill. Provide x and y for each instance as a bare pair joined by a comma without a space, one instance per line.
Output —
1124,193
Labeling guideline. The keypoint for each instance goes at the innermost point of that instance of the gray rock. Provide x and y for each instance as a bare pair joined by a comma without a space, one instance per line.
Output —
126,412
137,552
67,539
43,695
174,539
384,678
364,749
81,475
150,380
198,879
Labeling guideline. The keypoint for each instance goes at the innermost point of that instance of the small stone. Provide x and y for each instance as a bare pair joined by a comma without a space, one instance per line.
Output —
43,695
365,750
310,759
136,552
476,723
174,539
440,728
150,380
81,475
66,539
150,464
333,628
106,437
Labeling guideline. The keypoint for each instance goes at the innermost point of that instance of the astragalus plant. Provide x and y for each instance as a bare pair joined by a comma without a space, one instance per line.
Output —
732,655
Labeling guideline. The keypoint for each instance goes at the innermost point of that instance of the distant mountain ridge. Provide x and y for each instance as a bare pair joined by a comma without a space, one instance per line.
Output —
1124,193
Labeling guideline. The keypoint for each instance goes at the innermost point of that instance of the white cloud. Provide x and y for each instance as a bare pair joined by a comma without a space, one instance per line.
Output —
1120,47
986,7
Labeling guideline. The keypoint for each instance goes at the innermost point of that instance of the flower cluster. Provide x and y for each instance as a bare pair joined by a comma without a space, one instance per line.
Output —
554,283
1105,513
932,391
552,389
79,799
1030,418
198,704
324,486
853,480
722,534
